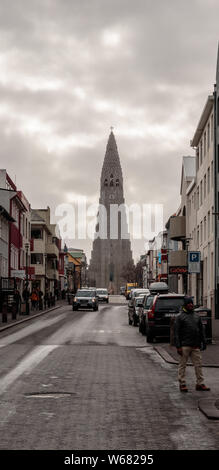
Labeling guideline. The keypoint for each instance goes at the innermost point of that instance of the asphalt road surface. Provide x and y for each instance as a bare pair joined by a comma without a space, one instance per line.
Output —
87,380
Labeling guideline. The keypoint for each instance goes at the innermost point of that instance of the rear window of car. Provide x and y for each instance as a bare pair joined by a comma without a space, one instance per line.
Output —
139,301
148,301
169,303
86,293
102,291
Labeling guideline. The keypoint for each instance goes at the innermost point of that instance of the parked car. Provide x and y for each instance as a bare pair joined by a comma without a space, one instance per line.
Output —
103,295
134,313
136,293
85,298
159,288
162,309
147,300
122,290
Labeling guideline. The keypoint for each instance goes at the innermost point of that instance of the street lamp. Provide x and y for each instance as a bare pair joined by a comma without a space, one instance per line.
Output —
45,261
27,296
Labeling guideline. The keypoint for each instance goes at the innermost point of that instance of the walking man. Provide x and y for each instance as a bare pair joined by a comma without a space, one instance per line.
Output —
190,340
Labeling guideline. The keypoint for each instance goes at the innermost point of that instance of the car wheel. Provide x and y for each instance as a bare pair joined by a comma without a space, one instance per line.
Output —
74,308
150,337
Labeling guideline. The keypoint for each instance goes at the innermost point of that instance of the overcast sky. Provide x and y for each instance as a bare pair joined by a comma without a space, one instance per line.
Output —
70,69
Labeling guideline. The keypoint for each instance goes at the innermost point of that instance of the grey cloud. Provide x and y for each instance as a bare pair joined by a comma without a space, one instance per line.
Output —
158,75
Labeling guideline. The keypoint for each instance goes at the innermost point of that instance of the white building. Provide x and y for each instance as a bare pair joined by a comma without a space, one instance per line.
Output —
200,207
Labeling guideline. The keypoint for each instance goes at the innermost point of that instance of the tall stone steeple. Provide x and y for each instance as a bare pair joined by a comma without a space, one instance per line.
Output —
111,247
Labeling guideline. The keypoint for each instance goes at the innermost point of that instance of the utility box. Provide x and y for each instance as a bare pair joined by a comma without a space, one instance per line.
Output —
206,318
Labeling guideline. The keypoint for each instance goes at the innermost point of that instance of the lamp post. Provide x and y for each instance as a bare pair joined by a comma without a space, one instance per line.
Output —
27,296
45,261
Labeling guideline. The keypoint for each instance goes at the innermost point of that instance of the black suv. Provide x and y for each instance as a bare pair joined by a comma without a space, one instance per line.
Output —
162,309
85,298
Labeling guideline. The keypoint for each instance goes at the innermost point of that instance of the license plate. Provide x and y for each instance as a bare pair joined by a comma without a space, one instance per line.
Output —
170,315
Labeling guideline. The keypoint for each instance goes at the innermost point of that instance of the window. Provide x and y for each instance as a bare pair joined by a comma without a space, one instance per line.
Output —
197,198
208,135
212,174
212,127
36,258
205,186
37,233
212,219
105,182
209,224
208,183
204,143
205,222
201,193
197,159
198,236
201,153
201,233
117,182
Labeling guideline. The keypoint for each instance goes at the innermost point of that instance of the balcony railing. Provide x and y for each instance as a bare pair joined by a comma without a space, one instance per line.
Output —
178,227
178,258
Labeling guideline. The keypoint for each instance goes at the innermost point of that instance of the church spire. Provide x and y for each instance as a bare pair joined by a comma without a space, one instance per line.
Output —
111,165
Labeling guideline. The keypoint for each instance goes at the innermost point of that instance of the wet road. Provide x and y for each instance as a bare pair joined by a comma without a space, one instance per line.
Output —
88,380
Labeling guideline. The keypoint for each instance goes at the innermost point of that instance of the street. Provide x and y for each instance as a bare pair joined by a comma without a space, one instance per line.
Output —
88,380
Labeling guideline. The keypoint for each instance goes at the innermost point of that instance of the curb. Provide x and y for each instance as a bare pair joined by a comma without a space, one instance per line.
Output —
208,407
28,317
168,358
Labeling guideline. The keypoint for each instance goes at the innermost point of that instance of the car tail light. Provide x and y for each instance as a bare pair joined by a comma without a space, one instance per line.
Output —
151,313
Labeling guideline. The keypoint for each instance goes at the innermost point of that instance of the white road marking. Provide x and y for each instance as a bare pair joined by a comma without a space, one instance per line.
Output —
26,365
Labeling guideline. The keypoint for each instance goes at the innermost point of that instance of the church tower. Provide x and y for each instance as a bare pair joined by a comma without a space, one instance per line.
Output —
111,247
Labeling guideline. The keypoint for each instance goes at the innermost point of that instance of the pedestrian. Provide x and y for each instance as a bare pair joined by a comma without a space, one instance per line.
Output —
34,299
17,300
46,299
190,340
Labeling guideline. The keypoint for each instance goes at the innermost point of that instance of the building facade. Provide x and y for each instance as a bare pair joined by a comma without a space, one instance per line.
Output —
19,229
45,250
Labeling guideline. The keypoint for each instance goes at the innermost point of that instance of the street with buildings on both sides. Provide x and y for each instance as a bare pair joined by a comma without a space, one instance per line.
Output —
88,380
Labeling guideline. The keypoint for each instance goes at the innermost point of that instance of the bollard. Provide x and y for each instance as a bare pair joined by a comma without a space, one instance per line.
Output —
172,335
14,311
4,313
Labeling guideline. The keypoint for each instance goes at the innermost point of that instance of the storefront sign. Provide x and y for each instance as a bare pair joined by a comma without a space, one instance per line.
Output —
178,270
18,273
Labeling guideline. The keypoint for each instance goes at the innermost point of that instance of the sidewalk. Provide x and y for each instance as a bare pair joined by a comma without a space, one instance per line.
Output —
210,358
20,318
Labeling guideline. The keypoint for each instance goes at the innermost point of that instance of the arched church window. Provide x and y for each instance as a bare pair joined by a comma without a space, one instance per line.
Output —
111,180
105,182
117,182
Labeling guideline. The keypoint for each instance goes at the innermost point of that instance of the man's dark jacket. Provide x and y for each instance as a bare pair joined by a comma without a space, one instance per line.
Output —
189,330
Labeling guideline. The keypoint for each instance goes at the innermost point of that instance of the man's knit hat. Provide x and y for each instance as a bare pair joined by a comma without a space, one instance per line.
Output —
188,300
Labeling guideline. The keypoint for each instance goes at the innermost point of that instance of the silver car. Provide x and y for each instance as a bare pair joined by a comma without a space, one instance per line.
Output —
102,295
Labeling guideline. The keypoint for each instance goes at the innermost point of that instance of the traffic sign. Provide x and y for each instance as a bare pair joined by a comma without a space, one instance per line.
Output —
194,261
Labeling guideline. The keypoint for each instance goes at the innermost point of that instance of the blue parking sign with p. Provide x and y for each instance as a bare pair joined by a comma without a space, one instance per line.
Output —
194,258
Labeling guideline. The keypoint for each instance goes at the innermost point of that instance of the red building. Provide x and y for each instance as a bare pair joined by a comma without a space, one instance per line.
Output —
19,231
